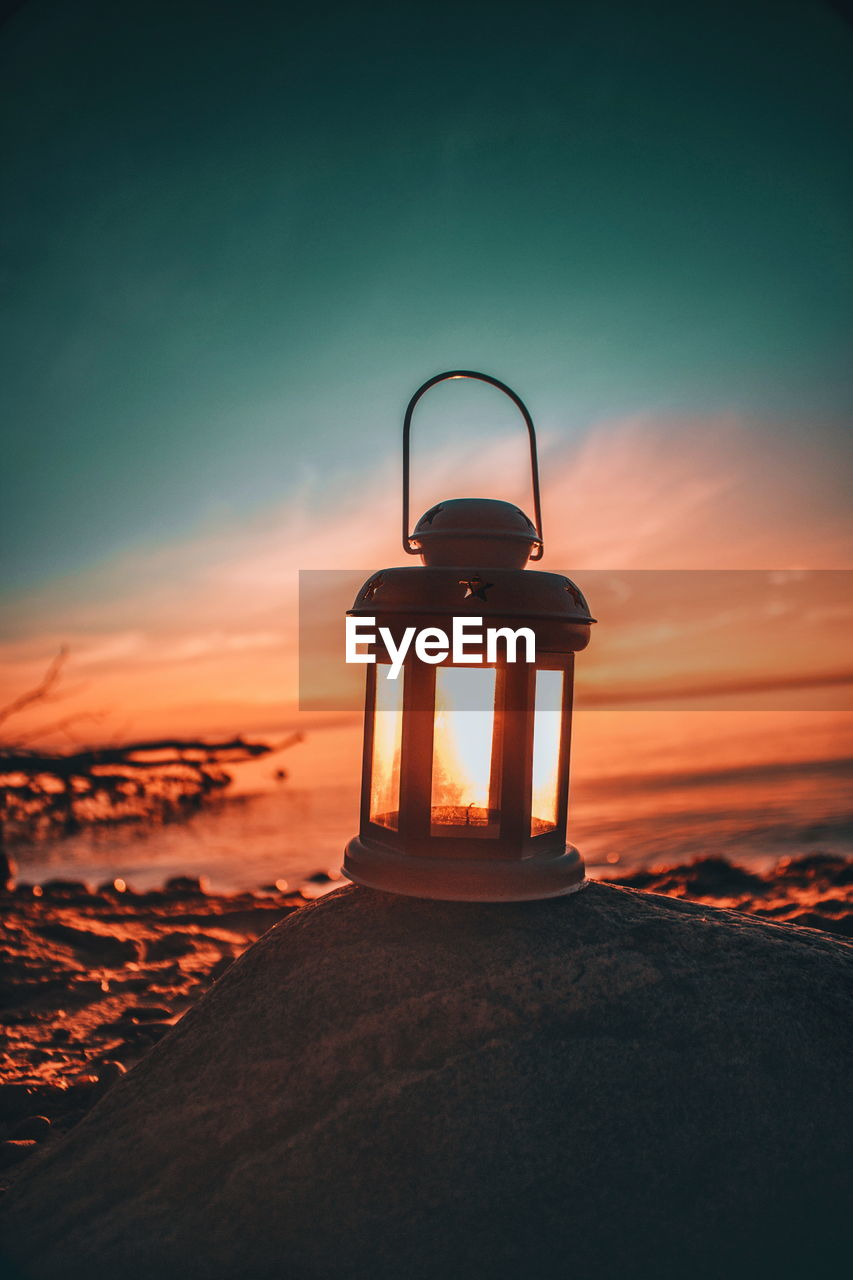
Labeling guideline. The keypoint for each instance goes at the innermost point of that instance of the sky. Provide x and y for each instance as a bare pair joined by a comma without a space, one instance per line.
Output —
236,238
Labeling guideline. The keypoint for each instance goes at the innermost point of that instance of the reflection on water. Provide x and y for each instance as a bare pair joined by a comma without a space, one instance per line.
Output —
753,819
752,815
240,843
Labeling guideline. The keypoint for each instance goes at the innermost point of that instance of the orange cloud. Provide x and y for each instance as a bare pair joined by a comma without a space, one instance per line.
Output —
200,636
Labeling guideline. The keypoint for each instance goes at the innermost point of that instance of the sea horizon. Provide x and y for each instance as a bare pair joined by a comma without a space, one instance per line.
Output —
751,787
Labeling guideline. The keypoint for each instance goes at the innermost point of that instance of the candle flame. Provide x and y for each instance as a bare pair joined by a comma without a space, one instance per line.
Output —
464,785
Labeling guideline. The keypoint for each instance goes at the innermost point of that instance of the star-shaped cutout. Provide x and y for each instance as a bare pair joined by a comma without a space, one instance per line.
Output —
475,587
369,591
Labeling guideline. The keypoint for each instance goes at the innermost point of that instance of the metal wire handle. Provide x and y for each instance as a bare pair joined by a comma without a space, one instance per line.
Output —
531,432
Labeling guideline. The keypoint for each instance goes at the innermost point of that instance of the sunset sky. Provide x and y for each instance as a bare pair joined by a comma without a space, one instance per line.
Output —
237,237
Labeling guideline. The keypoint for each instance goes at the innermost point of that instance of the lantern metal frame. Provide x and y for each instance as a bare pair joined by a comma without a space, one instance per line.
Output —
471,862
452,376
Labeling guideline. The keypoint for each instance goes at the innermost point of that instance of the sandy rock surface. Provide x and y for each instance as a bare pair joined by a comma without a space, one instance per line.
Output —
614,1084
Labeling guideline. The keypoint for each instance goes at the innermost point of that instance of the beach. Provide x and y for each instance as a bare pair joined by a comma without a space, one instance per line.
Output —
96,976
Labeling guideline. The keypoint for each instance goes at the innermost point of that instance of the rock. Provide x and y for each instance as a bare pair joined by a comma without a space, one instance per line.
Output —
103,946
131,1031
70,1118
14,1018
255,921
83,1084
703,878
612,1085
223,964
130,984
185,886
14,1151
153,1030
8,871
169,945
109,1071
35,1127
17,1101
142,1033
72,889
809,920
821,867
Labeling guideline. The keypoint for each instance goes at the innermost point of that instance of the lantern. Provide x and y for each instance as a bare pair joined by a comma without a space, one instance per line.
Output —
466,764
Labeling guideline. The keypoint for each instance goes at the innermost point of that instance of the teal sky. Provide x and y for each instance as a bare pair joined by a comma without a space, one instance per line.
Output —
236,236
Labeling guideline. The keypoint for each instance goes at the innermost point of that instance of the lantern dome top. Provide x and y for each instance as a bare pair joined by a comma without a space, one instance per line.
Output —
550,603
483,531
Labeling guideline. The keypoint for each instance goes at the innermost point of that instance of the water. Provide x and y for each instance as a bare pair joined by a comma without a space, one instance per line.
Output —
647,789
752,814
777,811
237,843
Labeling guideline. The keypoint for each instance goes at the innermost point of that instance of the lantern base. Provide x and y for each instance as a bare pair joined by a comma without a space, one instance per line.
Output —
541,875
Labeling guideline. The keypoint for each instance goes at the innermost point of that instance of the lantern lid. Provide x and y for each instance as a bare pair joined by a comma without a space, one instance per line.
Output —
484,589
550,603
483,531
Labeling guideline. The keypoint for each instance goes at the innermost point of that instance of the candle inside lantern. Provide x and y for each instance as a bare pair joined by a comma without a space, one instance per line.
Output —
465,778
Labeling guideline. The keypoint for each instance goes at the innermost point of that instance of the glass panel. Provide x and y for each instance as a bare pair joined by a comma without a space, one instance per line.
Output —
547,726
464,772
387,739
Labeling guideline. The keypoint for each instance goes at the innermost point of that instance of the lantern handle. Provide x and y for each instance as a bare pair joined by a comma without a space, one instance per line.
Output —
531,432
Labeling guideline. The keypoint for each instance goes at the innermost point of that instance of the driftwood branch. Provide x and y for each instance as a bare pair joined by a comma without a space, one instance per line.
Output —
158,778
194,754
41,692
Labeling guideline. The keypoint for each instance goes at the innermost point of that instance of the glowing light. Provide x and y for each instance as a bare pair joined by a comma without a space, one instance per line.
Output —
387,739
547,726
464,785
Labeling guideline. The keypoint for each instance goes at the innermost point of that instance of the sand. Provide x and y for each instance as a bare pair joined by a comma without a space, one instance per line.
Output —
94,978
